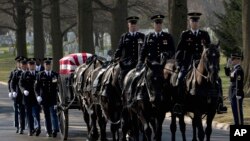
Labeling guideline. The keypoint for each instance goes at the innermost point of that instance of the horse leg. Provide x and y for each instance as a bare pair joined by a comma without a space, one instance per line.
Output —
94,131
115,131
102,123
208,131
194,125
173,125
159,123
125,124
86,118
201,133
182,127
148,132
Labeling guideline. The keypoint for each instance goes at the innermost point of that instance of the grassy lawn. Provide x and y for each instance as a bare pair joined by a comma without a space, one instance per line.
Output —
7,64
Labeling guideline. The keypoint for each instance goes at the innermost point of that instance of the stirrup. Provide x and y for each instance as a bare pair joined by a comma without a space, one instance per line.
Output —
178,109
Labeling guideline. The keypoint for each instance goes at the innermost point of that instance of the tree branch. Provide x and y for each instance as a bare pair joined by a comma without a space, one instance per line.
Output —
68,28
103,6
7,27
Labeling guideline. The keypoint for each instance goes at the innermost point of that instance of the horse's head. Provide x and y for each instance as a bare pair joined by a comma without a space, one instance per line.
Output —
155,80
211,59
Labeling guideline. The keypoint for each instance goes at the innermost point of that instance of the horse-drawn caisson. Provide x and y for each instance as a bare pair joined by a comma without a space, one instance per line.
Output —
136,100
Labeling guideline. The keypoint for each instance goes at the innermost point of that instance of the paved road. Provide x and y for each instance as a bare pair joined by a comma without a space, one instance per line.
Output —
77,129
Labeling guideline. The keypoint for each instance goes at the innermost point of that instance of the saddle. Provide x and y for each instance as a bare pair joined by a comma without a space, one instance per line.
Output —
97,82
78,85
191,82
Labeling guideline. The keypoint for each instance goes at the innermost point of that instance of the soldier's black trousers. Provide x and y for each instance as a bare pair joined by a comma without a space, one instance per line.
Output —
33,113
19,117
236,112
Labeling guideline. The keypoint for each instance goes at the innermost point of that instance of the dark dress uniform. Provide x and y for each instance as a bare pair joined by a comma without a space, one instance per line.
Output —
236,89
19,110
190,47
46,88
155,45
32,108
129,45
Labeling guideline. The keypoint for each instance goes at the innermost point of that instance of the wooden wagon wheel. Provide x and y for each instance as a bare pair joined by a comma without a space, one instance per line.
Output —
63,116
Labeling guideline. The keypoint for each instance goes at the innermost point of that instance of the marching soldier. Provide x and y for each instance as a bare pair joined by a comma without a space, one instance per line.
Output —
236,93
189,50
130,42
46,91
32,108
15,94
39,65
156,43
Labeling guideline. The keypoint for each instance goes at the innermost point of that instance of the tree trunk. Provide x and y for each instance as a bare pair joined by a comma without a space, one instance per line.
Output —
246,43
56,34
21,28
119,24
177,18
85,26
39,42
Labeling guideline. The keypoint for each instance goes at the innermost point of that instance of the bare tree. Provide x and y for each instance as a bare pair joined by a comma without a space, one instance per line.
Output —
39,42
177,17
56,34
85,26
246,42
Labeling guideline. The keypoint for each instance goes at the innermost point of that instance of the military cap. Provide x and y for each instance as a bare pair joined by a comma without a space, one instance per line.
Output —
237,55
47,61
23,61
132,19
158,18
195,16
19,58
31,61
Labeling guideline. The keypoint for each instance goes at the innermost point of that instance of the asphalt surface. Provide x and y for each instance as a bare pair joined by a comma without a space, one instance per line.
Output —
77,128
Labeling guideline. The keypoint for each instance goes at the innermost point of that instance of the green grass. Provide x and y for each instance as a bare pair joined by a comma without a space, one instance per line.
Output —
7,63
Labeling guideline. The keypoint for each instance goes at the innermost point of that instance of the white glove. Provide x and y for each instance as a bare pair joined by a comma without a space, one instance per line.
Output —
14,94
39,99
55,107
10,95
238,97
26,93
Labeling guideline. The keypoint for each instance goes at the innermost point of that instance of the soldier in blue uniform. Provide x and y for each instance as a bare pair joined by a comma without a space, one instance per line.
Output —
189,50
236,93
15,94
156,43
32,108
46,91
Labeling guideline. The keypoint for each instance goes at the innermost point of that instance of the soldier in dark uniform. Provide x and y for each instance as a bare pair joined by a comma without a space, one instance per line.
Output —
130,42
46,91
189,50
236,93
156,43
15,94
32,108
129,46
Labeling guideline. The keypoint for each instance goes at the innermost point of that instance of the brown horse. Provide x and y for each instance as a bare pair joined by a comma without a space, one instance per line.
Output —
201,89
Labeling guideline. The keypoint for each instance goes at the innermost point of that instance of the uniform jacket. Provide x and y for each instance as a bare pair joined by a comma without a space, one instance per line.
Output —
10,78
155,45
27,82
129,45
236,79
14,86
46,87
190,46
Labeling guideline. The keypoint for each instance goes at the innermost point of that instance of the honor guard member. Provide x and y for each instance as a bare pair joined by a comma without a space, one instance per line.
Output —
46,91
16,95
189,50
39,65
156,43
130,42
236,93
32,108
